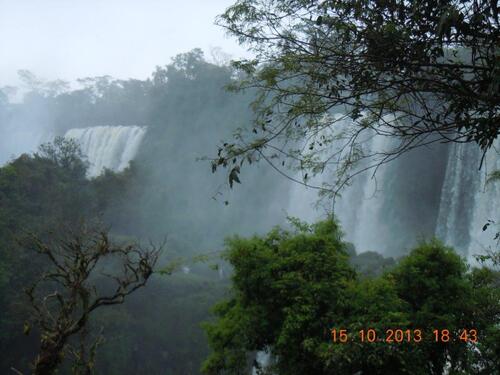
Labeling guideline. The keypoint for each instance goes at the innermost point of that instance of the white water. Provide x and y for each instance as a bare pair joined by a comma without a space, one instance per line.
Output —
358,207
468,201
111,147
367,227
458,195
373,210
486,206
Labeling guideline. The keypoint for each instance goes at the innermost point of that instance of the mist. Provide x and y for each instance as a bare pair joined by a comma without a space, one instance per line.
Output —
118,113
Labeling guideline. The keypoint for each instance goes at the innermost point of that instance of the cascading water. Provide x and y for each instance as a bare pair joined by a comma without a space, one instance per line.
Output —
387,211
358,206
486,206
111,147
303,199
366,226
468,202
457,197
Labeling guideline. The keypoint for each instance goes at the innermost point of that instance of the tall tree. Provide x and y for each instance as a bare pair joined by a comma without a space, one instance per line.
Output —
419,71
291,288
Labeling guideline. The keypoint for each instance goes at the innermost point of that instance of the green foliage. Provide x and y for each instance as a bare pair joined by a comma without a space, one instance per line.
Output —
158,330
288,288
190,111
371,263
493,177
166,193
372,304
291,288
404,69
37,194
65,154
430,276
187,110
432,281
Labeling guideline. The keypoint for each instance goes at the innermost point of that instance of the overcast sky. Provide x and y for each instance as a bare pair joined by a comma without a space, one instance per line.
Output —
70,39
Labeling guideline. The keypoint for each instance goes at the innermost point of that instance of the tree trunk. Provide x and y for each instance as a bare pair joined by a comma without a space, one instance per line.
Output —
50,357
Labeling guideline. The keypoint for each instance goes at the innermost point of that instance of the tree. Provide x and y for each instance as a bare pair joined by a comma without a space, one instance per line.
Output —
416,71
432,281
66,154
288,287
291,288
430,289
66,295
40,86
37,194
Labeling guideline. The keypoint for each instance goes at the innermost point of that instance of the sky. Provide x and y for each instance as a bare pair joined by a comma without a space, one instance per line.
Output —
69,39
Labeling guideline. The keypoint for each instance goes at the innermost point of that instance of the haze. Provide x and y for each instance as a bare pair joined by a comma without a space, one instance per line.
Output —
123,38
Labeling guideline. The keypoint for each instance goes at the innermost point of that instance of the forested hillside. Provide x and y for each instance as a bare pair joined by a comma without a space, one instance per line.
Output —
326,205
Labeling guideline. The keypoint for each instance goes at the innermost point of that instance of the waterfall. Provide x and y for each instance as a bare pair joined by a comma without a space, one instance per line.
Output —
387,211
303,199
486,206
468,201
458,195
358,206
369,225
111,147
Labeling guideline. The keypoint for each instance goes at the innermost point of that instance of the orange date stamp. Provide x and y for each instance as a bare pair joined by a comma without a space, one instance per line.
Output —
398,335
